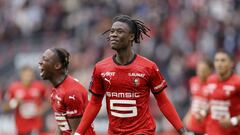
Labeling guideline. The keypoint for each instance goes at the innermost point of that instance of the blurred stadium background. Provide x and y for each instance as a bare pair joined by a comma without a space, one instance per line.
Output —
182,32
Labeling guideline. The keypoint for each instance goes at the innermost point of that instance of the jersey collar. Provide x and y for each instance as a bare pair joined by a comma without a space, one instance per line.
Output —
131,61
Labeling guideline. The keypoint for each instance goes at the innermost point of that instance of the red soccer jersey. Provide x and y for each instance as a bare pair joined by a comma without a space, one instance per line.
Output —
199,104
224,102
127,90
68,100
26,113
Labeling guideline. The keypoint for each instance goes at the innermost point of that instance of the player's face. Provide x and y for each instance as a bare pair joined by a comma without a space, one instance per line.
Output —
222,63
47,64
120,36
26,76
203,70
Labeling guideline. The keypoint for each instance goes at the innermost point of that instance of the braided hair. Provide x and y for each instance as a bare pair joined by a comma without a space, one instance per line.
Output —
63,56
137,27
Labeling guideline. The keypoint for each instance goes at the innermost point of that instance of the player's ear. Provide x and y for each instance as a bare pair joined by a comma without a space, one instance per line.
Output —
131,37
58,66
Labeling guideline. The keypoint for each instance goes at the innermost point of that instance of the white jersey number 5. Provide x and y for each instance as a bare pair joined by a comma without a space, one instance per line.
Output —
127,112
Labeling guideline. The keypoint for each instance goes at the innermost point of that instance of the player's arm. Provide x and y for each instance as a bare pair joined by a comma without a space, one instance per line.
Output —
74,122
169,111
57,131
11,101
90,113
158,84
233,121
187,117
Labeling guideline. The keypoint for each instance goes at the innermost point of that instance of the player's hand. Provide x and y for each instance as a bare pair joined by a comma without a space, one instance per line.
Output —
76,133
225,122
199,117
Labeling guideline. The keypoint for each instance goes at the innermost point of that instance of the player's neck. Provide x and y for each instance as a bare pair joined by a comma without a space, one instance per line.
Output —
58,80
203,79
226,75
124,57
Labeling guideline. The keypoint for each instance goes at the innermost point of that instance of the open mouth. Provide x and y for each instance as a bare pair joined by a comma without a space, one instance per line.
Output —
41,71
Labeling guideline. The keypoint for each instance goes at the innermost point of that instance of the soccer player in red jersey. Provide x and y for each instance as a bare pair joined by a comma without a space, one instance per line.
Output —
224,94
68,97
196,117
27,97
127,79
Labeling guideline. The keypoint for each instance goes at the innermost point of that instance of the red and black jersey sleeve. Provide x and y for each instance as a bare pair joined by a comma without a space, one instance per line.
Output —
157,81
96,85
75,102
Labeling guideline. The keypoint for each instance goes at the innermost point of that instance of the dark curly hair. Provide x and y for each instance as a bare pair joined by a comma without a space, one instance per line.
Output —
137,27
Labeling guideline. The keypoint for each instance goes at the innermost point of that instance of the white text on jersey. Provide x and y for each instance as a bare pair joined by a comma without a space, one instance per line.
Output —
123,95
108,74
136,74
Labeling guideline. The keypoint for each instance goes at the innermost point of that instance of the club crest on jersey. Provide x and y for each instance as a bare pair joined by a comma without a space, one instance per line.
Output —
136,82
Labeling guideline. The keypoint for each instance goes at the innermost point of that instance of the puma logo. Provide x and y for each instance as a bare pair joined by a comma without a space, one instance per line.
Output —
108,80
72,97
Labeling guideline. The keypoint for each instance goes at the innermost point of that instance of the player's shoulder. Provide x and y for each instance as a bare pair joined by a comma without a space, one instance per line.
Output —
104,62
38,83
71,84
235,78
15,85
143,61
212,78
72,89
194,79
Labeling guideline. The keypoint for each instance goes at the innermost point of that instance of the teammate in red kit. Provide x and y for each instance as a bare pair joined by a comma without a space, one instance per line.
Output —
196,117
224,89
27,97
127,80
68,97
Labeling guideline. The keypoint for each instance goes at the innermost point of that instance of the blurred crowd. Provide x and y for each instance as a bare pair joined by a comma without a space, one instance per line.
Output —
182,33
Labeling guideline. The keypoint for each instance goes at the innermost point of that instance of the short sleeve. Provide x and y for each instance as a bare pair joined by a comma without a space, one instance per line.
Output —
75,102
157,81
96,86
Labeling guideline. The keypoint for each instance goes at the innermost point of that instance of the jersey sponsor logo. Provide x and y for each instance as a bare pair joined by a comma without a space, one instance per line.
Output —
72,97
220,109
123,94
199,105
136,74
109,74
